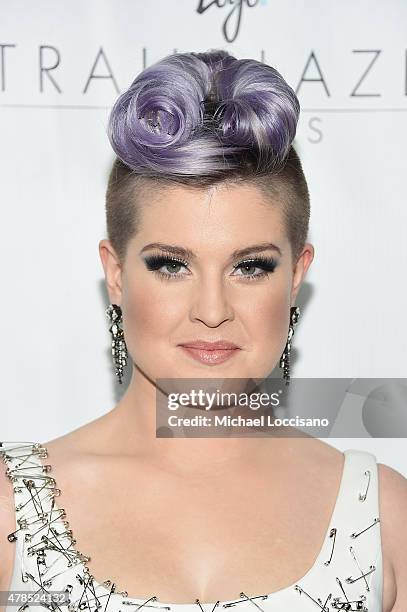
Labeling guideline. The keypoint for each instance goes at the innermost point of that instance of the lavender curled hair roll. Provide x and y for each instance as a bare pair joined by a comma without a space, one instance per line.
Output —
198,113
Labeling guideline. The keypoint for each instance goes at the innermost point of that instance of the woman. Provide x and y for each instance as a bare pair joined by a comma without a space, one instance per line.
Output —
207,219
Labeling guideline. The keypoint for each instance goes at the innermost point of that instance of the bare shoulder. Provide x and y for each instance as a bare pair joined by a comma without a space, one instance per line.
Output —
393,517
80,458
319,455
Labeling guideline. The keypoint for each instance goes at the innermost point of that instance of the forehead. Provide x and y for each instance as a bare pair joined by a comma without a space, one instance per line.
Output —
221,213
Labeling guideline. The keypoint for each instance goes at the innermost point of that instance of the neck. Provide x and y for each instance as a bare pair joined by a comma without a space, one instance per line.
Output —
135,426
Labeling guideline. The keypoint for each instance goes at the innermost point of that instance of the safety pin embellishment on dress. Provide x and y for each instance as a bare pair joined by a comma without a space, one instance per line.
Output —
356,534
247,598
357,604
337,604
362,496
332,534
37,510
363,574
48,552
348,604
318,601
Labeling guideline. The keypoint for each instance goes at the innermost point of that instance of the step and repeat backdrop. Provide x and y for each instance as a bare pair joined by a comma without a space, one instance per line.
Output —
62,65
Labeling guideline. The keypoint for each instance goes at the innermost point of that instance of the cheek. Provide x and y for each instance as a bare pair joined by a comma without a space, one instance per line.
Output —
266,320
148,316
271,314
267,311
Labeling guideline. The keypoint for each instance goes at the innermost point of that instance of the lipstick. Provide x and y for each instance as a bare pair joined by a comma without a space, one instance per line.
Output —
210,353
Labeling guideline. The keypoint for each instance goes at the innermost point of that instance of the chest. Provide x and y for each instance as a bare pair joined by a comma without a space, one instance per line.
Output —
213,537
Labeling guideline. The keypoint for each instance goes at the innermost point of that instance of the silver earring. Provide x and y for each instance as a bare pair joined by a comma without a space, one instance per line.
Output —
119,349
285,357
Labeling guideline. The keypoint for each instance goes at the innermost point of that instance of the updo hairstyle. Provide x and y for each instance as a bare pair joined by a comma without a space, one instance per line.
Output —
202,119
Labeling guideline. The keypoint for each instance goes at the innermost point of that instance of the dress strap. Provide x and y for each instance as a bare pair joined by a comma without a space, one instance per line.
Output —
361,510
40,524
29,502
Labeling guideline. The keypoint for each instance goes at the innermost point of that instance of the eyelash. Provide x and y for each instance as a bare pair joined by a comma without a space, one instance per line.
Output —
155,262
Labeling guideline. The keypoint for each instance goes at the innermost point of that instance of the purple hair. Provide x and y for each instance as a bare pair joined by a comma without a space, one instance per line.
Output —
196,114
199,119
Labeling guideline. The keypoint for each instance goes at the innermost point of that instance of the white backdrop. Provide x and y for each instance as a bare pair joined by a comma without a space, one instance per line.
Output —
62,66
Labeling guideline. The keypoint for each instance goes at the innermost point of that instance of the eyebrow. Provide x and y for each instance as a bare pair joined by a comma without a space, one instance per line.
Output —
187,253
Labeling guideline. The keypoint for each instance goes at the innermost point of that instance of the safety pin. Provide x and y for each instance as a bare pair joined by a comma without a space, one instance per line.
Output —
19,471
39,547
48,581
41,560
24,523
53,491
251,599
317,601
341,587
112,590
326,600
33,448
48,480
21,506
36,499
362,496
67,534
128,602
348,605
245,598
332,534
350,580
42,589
89,581
32,550
363,575
355,535
29,536
199,604
44,469
145,603
73,557
47,523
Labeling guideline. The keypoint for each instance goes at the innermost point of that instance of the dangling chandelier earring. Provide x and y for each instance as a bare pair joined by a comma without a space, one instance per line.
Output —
285,357
119,349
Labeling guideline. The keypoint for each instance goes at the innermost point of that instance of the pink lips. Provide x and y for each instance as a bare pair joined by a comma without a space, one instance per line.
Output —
210,353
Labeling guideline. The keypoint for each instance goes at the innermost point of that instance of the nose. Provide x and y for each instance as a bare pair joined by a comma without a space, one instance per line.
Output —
211,305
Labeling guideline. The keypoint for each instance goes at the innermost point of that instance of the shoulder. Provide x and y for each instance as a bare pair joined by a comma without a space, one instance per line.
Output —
393,528
12,454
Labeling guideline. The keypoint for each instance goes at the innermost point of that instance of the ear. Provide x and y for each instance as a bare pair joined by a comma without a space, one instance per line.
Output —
113,271
303,263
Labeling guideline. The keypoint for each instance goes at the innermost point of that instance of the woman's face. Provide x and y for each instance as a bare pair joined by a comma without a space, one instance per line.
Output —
206,265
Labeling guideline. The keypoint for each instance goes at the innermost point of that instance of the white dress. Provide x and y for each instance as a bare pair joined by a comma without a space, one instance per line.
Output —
347,574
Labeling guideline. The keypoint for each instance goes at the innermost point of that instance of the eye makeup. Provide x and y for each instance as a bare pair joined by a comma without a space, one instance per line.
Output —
267,265
155,262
